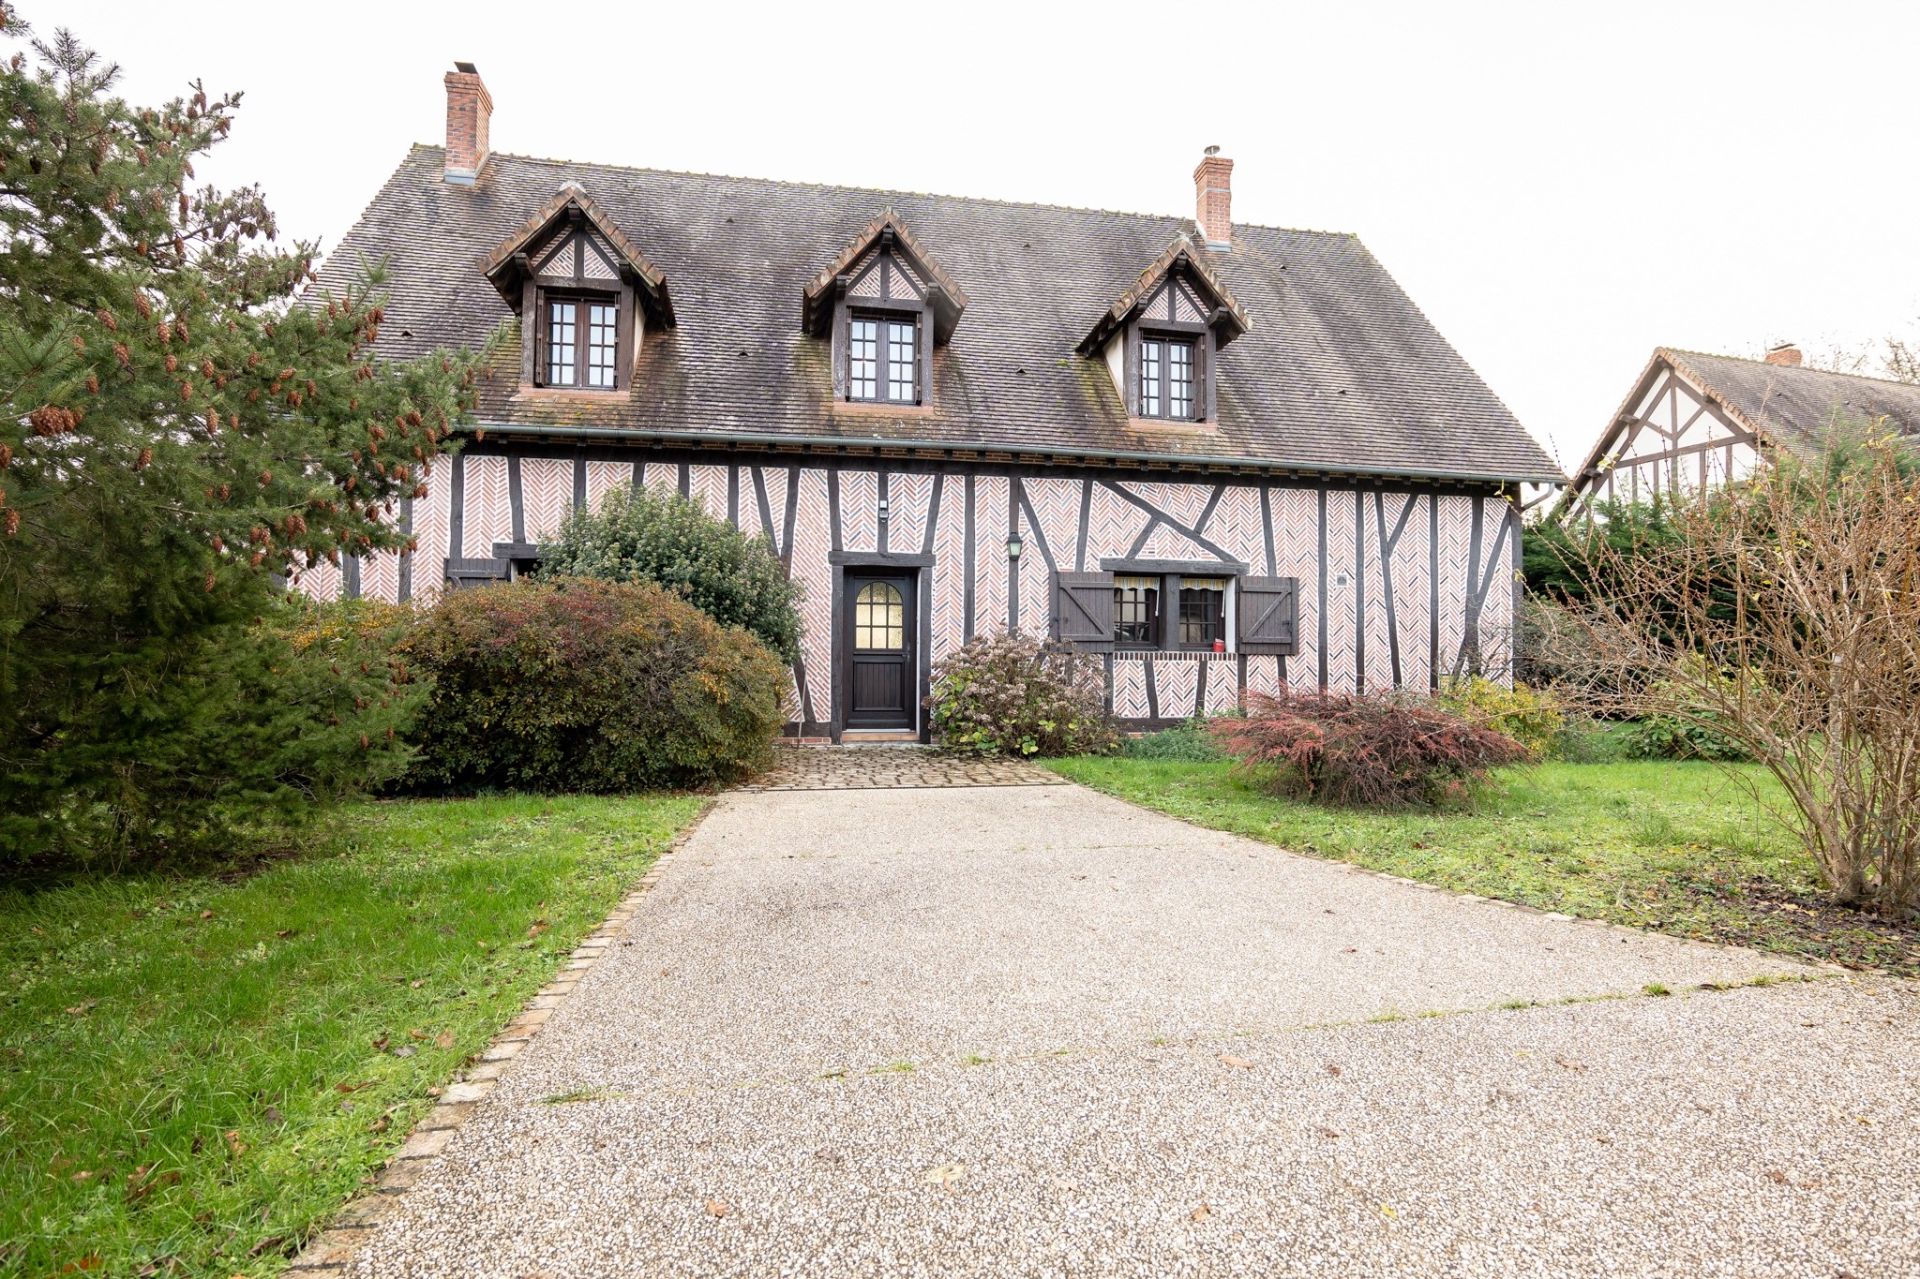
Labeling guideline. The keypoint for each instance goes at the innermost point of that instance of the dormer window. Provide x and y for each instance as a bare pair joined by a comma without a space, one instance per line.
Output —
584,294
1161,337
883,357
583,341
883,306
1166,377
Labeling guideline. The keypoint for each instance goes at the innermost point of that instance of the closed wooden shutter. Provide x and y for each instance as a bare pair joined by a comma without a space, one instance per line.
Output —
1083,610
539,338
1269,614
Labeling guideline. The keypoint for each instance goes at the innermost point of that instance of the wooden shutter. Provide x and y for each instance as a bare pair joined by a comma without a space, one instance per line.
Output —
1269,615
1083,610
540,337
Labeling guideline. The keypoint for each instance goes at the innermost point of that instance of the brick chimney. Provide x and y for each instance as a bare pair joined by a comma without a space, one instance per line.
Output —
1213,198
1786,354
469,109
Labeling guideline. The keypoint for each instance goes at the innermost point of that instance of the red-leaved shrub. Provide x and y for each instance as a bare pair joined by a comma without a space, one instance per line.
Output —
1362,750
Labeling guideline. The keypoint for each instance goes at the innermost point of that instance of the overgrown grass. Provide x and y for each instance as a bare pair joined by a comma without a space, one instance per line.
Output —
1685,848
196,1072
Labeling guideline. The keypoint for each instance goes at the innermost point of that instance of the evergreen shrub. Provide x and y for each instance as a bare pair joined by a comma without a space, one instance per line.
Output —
1188,743
577,684
1529,716
235,734
649,536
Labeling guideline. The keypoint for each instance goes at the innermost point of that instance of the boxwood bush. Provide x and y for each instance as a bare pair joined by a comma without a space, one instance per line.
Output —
575,684
650,536
1021,696
1529,716
1189,743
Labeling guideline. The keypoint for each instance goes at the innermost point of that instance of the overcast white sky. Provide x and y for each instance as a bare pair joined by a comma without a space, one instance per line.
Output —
1560,188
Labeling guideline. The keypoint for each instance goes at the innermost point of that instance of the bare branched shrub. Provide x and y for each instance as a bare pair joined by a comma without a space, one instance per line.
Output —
1786,617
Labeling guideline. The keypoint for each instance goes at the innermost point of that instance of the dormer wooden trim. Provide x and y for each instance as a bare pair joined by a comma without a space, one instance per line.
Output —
945,299
572,211
1181,259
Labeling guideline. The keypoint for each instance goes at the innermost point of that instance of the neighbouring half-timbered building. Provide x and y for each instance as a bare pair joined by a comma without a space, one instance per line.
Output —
1693,422
1226,457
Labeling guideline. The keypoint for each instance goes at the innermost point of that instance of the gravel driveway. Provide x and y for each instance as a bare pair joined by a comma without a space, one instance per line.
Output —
1031,1030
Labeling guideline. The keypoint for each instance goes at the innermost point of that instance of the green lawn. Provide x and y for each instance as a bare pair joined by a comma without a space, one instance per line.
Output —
1685,848
195,1073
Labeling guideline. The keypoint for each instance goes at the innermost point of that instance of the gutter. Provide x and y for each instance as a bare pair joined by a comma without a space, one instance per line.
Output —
708,439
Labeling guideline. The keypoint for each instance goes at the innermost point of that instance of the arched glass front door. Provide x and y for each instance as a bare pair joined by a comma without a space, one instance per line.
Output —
877,636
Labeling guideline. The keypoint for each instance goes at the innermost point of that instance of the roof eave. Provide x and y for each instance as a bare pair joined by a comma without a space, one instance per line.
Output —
948,448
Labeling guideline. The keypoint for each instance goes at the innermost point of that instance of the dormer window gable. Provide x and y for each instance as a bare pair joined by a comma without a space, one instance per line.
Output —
1160,339
585,296
883,305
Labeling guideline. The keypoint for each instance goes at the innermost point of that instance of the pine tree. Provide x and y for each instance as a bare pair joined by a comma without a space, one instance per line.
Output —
186,426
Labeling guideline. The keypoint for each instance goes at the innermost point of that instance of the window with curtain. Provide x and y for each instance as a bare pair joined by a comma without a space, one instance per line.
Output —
1169,611
1136,611
1203,607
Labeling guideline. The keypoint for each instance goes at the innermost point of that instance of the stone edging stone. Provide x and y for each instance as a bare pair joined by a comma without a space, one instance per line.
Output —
328,1254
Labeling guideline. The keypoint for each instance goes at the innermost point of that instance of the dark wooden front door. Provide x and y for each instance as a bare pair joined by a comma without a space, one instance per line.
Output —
878,653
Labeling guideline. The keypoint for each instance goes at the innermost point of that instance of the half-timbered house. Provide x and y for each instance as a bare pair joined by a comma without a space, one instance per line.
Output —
1227,457
1693,422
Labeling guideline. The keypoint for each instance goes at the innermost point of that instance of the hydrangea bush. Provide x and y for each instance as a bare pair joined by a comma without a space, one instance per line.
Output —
1022,696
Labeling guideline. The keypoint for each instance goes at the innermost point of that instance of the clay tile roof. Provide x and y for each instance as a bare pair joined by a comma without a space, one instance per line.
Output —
1786,406
1337,372
1799,407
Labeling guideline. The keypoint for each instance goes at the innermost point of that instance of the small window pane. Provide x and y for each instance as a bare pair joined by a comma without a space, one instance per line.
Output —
1136,610
902,361
879,618
602,344
560,343
863,359
1202,607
